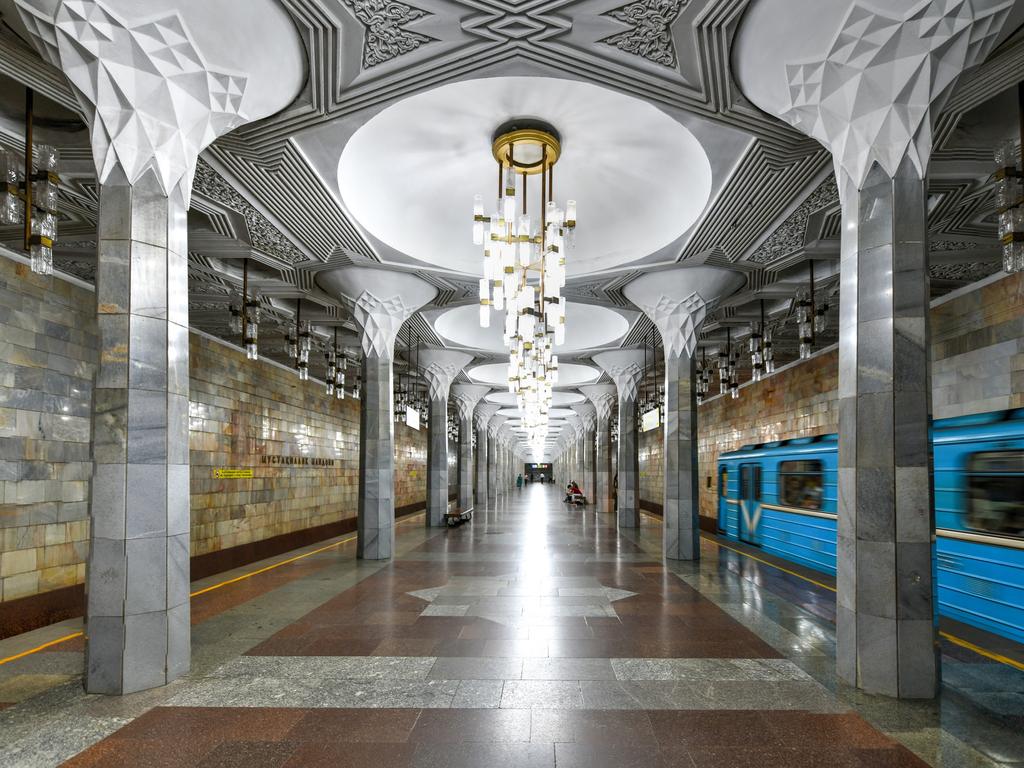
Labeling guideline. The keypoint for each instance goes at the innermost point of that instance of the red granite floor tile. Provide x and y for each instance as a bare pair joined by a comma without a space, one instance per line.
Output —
814,729
248,754
484,755
716,728
354,725
211,724
472,725
338,755
601,727
150,753
605,756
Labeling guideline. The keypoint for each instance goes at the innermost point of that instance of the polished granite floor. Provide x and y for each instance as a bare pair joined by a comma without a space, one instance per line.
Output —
535,636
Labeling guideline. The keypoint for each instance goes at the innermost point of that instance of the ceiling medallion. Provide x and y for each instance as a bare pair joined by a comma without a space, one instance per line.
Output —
524,265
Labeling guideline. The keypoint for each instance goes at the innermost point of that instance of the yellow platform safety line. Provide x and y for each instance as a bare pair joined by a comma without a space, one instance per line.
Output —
42,647
198,592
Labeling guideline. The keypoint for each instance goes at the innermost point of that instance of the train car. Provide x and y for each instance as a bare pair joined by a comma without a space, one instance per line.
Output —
783,498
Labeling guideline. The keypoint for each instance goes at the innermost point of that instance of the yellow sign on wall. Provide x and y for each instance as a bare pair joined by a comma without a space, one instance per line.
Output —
232,474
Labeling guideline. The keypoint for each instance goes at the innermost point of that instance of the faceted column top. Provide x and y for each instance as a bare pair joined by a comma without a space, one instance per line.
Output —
483,414
379,300
866,77
495,424
625,368
602,396
467,396
440,367
587,414
678,300
156,87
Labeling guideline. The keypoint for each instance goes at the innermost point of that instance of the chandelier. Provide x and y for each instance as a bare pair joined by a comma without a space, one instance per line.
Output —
1010,206
245,316
298,343
28,194
524,258
334,380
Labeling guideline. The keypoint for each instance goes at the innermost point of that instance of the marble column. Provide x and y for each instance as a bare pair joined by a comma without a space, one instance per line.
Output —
624,368
885,612
873,108
152,107
466,398
493,458
602,396
572,446
138,567
481,420
588,420
440,367
677,301
380,302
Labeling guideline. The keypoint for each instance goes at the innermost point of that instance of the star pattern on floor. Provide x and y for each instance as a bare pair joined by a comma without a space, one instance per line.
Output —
515,601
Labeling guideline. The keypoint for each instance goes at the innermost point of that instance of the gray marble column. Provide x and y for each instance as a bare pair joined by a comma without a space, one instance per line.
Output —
466,398
874,110
885,612
440,367
624,367
481,420
677,301
137,622
493,458
376,513
681,511
138,567
588,420
380,302
602,396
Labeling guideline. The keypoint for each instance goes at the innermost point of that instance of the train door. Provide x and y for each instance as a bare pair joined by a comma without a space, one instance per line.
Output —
723,499
750,504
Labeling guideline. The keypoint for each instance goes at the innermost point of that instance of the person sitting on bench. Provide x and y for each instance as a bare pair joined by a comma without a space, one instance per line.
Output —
573,494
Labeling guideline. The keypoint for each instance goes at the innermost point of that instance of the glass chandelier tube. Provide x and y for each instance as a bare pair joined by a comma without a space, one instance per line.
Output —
1010,202
249,316
29,193
524,261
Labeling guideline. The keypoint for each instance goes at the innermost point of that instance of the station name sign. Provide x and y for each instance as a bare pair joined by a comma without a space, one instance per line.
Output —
298,461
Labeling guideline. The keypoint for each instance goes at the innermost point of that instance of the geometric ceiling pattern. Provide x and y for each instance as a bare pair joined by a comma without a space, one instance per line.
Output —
257,196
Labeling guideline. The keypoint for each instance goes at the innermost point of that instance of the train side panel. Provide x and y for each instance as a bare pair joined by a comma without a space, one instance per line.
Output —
980,575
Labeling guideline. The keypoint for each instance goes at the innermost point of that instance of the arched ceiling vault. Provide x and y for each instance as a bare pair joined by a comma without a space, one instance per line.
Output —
270,191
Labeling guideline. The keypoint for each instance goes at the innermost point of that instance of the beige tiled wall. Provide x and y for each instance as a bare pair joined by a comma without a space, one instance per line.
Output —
410,465
652,466
239,412
47,360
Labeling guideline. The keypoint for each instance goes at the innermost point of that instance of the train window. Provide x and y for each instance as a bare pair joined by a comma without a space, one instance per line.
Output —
723,482
802,484
995,492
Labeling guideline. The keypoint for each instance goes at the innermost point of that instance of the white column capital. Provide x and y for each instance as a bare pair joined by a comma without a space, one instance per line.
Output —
870,92
625,368
380,302
587,413
467,396
153,98
678,300
482,415
603,398
494,425
440,367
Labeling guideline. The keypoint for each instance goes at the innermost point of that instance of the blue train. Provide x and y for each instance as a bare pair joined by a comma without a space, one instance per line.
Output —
783,497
